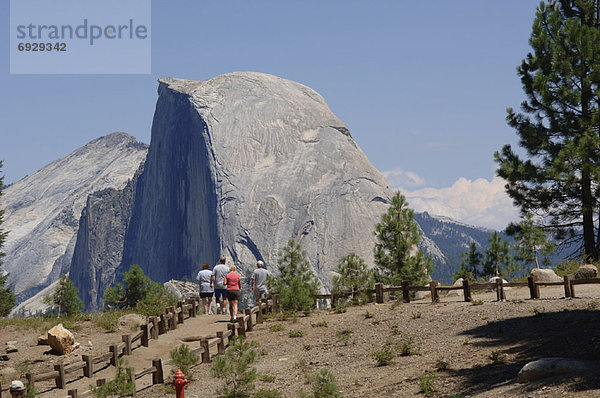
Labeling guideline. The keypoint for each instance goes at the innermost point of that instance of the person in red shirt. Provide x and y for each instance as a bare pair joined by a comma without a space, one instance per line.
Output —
232,281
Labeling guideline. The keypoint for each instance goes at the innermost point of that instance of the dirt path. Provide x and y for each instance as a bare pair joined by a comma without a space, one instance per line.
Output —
141,358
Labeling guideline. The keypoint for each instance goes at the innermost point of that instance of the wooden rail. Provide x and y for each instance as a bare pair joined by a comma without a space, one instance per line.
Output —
467,287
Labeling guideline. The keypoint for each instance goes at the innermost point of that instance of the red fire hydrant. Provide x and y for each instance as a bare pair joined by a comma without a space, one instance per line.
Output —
179,381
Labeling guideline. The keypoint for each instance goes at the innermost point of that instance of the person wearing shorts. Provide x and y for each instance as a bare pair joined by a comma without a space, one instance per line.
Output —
218,276
232,281
259,281
206,290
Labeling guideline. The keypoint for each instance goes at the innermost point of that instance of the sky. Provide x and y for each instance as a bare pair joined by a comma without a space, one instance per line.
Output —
423,86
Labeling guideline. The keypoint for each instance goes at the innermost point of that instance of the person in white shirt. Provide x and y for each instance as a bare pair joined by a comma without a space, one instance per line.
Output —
218,277
206,291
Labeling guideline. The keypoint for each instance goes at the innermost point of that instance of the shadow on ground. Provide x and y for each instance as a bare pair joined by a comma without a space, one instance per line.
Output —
570,334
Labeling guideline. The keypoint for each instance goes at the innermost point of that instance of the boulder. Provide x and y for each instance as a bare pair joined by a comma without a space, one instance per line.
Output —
545,275
131,321
586,271
11,346
494,278
547,367
61,340
456,293
43,339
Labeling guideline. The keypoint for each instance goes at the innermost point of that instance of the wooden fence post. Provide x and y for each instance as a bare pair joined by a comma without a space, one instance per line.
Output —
114,361
206,352
379,293
154,330
259,314
180,315
221,344
249,326
88,371
157,376
534,289
193,309
126,338
405,292
276,303
145,335
60,379
500,289
30,380
72,393
100,382
231,326
162,324
467,290
435,298
173,318
572,287
567,280
242,326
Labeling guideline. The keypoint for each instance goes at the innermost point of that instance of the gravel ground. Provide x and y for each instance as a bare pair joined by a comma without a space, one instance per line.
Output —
474,350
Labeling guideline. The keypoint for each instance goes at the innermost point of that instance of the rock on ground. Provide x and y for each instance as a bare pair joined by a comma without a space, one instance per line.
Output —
545,275
547,367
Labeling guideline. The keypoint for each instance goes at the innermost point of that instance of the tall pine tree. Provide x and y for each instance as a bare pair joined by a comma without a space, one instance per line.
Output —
7,296
559,126
396,253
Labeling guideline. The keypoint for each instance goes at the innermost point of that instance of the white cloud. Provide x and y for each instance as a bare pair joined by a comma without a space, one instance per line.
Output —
401,178
480,202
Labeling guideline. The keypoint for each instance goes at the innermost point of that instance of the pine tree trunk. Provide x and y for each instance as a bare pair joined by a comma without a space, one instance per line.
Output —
589,243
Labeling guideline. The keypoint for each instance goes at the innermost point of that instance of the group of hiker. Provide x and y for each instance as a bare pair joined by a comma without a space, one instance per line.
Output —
224,282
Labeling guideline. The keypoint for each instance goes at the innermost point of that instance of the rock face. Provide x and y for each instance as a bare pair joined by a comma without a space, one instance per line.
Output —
61,340
239,165
100,240
42,209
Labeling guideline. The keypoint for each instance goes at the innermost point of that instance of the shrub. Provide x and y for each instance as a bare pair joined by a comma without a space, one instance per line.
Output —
426,383
385,354
324,385
497,357
407,346
344,336
340,309
276,328
182,357
322,324
416,315
267,378
235,368
477,302
120,386
263,393
296,333
368,315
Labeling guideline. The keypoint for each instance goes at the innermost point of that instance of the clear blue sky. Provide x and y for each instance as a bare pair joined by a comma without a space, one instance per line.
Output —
422,85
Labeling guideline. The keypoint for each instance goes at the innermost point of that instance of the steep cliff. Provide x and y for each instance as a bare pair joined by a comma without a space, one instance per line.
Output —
238,165
42,209
242,163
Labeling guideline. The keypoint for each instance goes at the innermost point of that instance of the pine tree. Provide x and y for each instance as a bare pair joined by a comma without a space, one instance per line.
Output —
65,298
498,260
559,127
354,278
469,266
396,252
7,296
296,282
530,240
138,291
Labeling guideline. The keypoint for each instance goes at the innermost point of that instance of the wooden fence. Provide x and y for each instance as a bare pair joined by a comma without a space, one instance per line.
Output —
156,326
467,287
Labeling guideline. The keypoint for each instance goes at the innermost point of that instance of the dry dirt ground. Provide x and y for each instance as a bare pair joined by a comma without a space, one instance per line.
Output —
475,350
